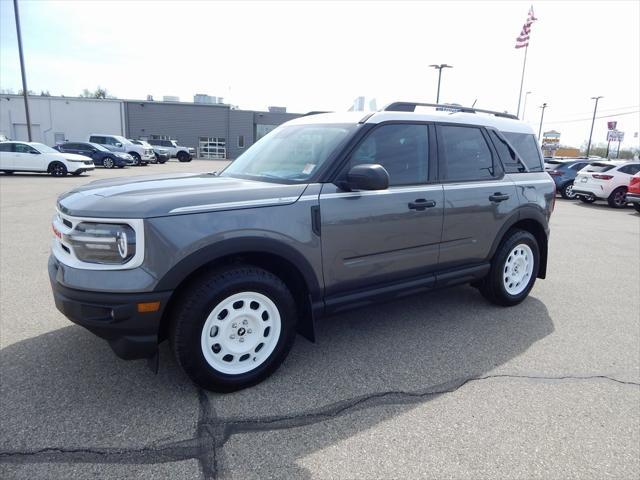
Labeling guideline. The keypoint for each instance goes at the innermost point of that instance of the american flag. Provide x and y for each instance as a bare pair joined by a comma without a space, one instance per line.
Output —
523,38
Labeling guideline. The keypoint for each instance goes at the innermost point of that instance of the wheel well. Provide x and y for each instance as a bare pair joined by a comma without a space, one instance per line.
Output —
537,230
279,266
51,164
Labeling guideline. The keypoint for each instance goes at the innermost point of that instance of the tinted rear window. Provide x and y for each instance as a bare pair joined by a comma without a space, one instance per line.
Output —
527,148
599,167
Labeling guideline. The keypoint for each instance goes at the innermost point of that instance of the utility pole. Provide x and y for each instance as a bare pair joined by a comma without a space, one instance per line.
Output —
24,77
439,68
543,106
593,121
524,108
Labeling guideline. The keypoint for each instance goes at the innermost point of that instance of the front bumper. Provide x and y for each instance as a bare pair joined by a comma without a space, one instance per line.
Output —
112,316
82,167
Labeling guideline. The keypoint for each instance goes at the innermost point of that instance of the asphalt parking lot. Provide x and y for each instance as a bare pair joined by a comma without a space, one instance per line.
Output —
441,385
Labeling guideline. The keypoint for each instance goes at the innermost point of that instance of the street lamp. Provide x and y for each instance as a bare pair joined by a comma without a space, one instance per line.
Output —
592,122
543,106
524,107
439,68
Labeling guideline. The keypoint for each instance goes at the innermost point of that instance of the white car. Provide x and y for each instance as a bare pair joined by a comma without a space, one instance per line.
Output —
37,157
161,154
607,180
116,143
183,154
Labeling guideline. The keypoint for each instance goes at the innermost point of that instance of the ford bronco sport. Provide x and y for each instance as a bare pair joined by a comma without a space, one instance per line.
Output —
326,212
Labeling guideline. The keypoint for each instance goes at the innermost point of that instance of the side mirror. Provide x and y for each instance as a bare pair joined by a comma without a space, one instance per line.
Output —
368,176
118,144
34,152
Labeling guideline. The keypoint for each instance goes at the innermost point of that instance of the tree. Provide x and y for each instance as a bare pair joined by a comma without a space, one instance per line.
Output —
45,93
99,92
29,92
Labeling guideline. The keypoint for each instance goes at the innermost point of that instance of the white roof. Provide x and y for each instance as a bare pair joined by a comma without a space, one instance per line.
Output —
427,115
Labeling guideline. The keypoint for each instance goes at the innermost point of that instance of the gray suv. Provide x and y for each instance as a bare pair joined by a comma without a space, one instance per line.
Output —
326,212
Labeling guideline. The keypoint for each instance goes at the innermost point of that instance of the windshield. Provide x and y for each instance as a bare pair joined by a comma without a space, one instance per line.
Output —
42,148
290,153
97,146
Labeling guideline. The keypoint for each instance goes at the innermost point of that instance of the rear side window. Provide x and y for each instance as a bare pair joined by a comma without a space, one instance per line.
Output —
578,166
527,148
100,140
507,155
630,169
5,147
466,153
402,149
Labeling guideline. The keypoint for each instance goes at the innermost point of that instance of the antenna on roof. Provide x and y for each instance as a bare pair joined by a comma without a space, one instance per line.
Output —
474,103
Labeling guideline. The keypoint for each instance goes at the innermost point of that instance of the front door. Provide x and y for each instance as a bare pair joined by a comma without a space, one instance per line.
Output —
27,158
372,238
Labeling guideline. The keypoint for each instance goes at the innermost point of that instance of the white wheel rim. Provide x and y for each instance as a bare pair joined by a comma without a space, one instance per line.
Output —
517,270
240,333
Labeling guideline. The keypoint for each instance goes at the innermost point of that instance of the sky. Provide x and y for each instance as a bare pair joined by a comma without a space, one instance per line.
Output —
322,55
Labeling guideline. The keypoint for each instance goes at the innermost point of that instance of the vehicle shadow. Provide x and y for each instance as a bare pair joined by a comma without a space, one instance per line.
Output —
66,389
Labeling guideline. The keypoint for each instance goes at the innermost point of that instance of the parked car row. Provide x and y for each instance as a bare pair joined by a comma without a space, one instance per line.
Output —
589,181
108,151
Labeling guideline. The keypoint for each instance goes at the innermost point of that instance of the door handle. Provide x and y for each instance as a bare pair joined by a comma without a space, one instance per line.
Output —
498,197
420,204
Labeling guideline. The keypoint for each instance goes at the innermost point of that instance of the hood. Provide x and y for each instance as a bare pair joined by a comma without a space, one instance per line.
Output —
173,194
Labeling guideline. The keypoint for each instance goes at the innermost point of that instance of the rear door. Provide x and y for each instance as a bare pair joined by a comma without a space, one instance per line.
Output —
478,196
378,237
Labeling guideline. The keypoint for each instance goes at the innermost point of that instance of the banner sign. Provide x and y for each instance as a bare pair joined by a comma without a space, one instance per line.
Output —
615,136
612,125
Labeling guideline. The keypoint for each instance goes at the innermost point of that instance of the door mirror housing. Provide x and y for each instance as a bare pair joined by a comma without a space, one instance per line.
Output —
118,144
368,176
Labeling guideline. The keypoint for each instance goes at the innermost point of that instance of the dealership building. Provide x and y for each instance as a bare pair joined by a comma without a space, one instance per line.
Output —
215,130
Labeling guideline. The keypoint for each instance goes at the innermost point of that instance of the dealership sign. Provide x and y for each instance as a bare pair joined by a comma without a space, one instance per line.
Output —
615,136
612,125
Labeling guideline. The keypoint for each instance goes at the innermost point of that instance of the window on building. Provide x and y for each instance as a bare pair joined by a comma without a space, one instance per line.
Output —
58,138
401,149
241,141
466,153
212,148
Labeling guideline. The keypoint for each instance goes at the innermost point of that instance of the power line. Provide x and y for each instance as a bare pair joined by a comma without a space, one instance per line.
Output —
587,119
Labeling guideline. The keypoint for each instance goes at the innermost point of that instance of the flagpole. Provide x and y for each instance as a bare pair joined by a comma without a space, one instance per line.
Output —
524,65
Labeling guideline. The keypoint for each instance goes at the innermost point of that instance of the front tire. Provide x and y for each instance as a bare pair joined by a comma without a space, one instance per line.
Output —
618,198
233,327
57,169
637,207
567,191
183,157
514,269
136,157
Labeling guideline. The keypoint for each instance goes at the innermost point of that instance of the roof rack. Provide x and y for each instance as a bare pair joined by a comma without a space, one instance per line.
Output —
315,112
411,107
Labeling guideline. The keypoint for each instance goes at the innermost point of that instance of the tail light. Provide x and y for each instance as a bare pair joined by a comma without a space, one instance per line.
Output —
555,173
634,181
602,177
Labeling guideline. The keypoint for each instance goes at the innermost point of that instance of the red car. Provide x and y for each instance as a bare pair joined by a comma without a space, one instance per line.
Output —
633,192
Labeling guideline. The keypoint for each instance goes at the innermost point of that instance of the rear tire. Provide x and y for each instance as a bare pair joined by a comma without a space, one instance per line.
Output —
108,163
618,198
514,269
136,157
57,169
567,191
637,207
233,327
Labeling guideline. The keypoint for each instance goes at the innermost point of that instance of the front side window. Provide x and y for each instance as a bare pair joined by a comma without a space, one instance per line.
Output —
466,154
527,147
630,169
402,149
22,148
291,153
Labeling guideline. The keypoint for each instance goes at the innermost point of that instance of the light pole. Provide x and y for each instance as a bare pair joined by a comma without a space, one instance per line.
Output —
592,122
25,92
524,107
543,106
439,68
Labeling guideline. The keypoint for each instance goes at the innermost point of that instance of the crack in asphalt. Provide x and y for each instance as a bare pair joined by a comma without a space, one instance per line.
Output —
212,433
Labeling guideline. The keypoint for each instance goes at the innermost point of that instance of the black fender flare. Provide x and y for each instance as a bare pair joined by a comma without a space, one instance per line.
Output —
536,215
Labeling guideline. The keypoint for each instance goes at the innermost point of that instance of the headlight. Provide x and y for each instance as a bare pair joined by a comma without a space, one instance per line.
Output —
105,243
75,160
